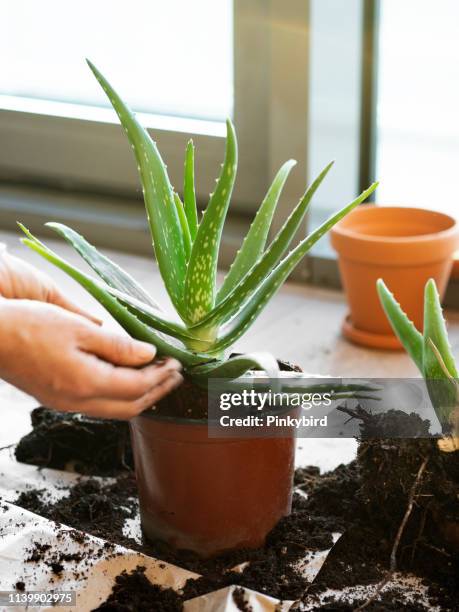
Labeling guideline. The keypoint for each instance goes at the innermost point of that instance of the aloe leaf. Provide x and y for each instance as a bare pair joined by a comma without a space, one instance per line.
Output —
435,331
258,273
202,267
158,194
184,225
107,269
189,194
252,307
403,328
255,240
237,366
442,389
160,322
125,318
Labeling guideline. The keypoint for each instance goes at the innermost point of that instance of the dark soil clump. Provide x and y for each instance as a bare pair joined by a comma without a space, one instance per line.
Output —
134,592
58,440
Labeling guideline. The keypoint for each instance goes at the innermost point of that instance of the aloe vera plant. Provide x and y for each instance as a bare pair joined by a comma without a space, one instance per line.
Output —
431,352
210,319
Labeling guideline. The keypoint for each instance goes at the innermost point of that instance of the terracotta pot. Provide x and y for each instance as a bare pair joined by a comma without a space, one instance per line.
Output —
209,494
403,246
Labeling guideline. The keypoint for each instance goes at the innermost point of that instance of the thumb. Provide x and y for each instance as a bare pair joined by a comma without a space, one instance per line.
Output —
118,349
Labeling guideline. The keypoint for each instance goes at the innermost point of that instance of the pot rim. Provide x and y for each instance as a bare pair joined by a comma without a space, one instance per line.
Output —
353,234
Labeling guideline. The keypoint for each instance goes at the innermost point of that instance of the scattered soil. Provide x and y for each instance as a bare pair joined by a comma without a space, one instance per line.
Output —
66,440
367,499
134,592
240,600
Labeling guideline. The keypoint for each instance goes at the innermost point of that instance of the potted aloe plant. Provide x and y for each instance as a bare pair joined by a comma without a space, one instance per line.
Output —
431,352
196,492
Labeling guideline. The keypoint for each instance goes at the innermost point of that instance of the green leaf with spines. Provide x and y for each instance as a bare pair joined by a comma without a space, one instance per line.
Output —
189,194
403,328
158,321
235,300
442,389
120,313
270,285
255,240
237,366
202,267
159,198
108,270
435,329
184,225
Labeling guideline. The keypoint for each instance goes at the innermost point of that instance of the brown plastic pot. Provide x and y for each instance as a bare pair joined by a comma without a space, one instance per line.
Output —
403,246
206,494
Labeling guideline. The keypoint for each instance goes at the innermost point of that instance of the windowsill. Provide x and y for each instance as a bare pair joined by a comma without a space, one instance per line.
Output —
99,114
108,221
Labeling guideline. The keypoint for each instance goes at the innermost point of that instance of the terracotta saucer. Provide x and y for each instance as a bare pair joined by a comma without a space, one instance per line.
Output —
365,338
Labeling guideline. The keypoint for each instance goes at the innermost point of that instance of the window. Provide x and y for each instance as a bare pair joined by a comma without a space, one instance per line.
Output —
417,131
149,48
184,66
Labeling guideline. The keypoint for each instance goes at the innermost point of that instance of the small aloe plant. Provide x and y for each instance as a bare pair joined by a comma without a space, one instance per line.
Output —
210,319
431,352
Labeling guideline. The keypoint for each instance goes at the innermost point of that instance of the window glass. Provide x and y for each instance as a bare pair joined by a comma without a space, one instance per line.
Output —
417,139
172,58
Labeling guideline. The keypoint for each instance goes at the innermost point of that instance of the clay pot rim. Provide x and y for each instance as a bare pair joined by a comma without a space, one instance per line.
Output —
354,234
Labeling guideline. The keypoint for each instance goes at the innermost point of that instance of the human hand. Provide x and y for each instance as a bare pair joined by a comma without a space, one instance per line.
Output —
73,365
19,280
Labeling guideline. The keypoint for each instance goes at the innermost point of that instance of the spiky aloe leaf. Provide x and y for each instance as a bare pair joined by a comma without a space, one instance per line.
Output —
189,194
158,321
184,225
255,240
255,304
441,386
202,267
252,307
264,266
108,270
403,328
125,318
237,366
158,194
436,332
